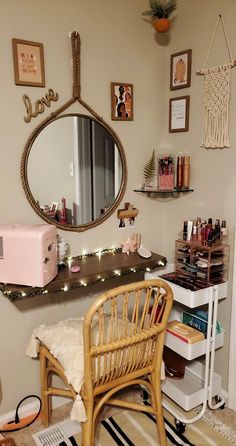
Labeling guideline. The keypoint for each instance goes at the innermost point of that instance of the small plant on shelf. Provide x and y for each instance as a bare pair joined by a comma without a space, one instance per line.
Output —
149,172
160,10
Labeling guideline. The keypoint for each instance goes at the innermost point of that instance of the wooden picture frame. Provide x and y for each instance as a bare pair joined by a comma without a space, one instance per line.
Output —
179,114
28,58
180,69
121,101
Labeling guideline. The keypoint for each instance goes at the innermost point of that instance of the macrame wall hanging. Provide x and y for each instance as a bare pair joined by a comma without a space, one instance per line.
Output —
216,98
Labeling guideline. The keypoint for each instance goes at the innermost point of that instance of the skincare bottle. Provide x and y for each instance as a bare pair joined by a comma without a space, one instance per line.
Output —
185,230
194,232
209,228
186,172
224,232
218,228
189,230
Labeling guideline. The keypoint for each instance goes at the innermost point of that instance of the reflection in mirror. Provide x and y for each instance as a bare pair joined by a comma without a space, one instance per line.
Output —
75,170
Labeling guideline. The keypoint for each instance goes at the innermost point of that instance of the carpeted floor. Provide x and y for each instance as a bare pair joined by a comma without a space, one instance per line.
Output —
216,428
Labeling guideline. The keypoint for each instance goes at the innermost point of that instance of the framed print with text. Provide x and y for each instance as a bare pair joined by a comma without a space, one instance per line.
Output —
180,69
179,114
121,101
28,58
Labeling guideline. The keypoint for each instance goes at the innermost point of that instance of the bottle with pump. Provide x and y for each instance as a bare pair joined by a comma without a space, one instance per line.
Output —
218,229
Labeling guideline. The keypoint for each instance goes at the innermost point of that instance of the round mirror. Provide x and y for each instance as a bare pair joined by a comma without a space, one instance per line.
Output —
74,171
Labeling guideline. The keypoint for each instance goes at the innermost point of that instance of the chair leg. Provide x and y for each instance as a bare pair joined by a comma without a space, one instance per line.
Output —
88,427
157,403
46,404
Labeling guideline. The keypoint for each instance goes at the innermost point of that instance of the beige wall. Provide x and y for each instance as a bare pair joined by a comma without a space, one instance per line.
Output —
117,45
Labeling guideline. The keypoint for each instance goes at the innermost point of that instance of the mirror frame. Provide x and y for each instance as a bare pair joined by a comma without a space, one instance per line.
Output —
25,182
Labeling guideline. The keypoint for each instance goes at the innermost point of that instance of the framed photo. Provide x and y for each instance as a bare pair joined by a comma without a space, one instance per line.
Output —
28,58
179,114
121,101
180,70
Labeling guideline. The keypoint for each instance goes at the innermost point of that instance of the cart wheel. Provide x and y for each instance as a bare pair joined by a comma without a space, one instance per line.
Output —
180,427
218,399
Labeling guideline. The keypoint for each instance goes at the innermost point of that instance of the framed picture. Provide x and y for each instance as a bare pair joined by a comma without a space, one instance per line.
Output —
28,60
179,114
180,70
121,101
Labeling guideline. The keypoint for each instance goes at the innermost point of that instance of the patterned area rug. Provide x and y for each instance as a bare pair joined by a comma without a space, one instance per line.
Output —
129,428
216,428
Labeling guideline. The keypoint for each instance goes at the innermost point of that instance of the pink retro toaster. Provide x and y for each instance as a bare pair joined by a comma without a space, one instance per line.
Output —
28,254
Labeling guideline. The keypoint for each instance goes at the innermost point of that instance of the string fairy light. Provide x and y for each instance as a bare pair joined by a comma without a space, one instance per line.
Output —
15,295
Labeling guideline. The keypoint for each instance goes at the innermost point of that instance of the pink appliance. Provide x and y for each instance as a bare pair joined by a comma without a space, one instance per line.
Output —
28,254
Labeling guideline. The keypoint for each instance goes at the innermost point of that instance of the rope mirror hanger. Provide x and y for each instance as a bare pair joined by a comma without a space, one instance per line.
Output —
76,97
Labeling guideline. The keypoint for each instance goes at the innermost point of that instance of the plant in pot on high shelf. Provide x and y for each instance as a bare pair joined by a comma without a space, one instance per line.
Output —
160,10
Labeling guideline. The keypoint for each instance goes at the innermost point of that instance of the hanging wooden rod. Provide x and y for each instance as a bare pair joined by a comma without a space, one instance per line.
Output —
200,72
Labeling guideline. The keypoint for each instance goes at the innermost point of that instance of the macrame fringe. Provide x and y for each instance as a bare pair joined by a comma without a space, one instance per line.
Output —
215,130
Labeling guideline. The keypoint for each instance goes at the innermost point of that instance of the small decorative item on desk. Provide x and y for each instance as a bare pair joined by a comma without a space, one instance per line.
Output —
62,250
137,239
129,245
166,172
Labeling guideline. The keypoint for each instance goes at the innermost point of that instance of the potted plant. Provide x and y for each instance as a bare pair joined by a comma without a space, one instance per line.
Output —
160,10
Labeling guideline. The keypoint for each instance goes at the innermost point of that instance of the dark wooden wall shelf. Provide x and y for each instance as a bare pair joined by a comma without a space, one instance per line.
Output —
93,269
164,193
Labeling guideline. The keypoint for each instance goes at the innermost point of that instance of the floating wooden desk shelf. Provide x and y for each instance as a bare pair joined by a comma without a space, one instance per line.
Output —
163,193
94,269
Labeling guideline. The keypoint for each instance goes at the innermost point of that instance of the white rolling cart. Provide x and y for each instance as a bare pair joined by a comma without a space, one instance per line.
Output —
200,385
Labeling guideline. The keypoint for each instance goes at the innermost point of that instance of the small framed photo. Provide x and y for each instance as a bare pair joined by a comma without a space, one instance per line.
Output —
121,101
180,70
179,114
28,58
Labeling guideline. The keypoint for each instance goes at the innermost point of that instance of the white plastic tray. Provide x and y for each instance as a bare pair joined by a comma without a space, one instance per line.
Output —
189,391
191,351
189,298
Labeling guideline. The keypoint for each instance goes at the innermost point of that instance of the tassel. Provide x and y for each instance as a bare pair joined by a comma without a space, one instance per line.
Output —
78,412
33,347
163,375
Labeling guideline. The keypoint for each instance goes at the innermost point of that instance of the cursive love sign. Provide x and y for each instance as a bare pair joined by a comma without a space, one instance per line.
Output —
39,104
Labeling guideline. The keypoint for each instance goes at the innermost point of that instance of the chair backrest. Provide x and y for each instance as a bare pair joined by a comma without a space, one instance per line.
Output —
124,333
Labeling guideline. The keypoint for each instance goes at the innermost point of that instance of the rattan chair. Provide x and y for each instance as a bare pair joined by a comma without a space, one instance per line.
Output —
123,339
